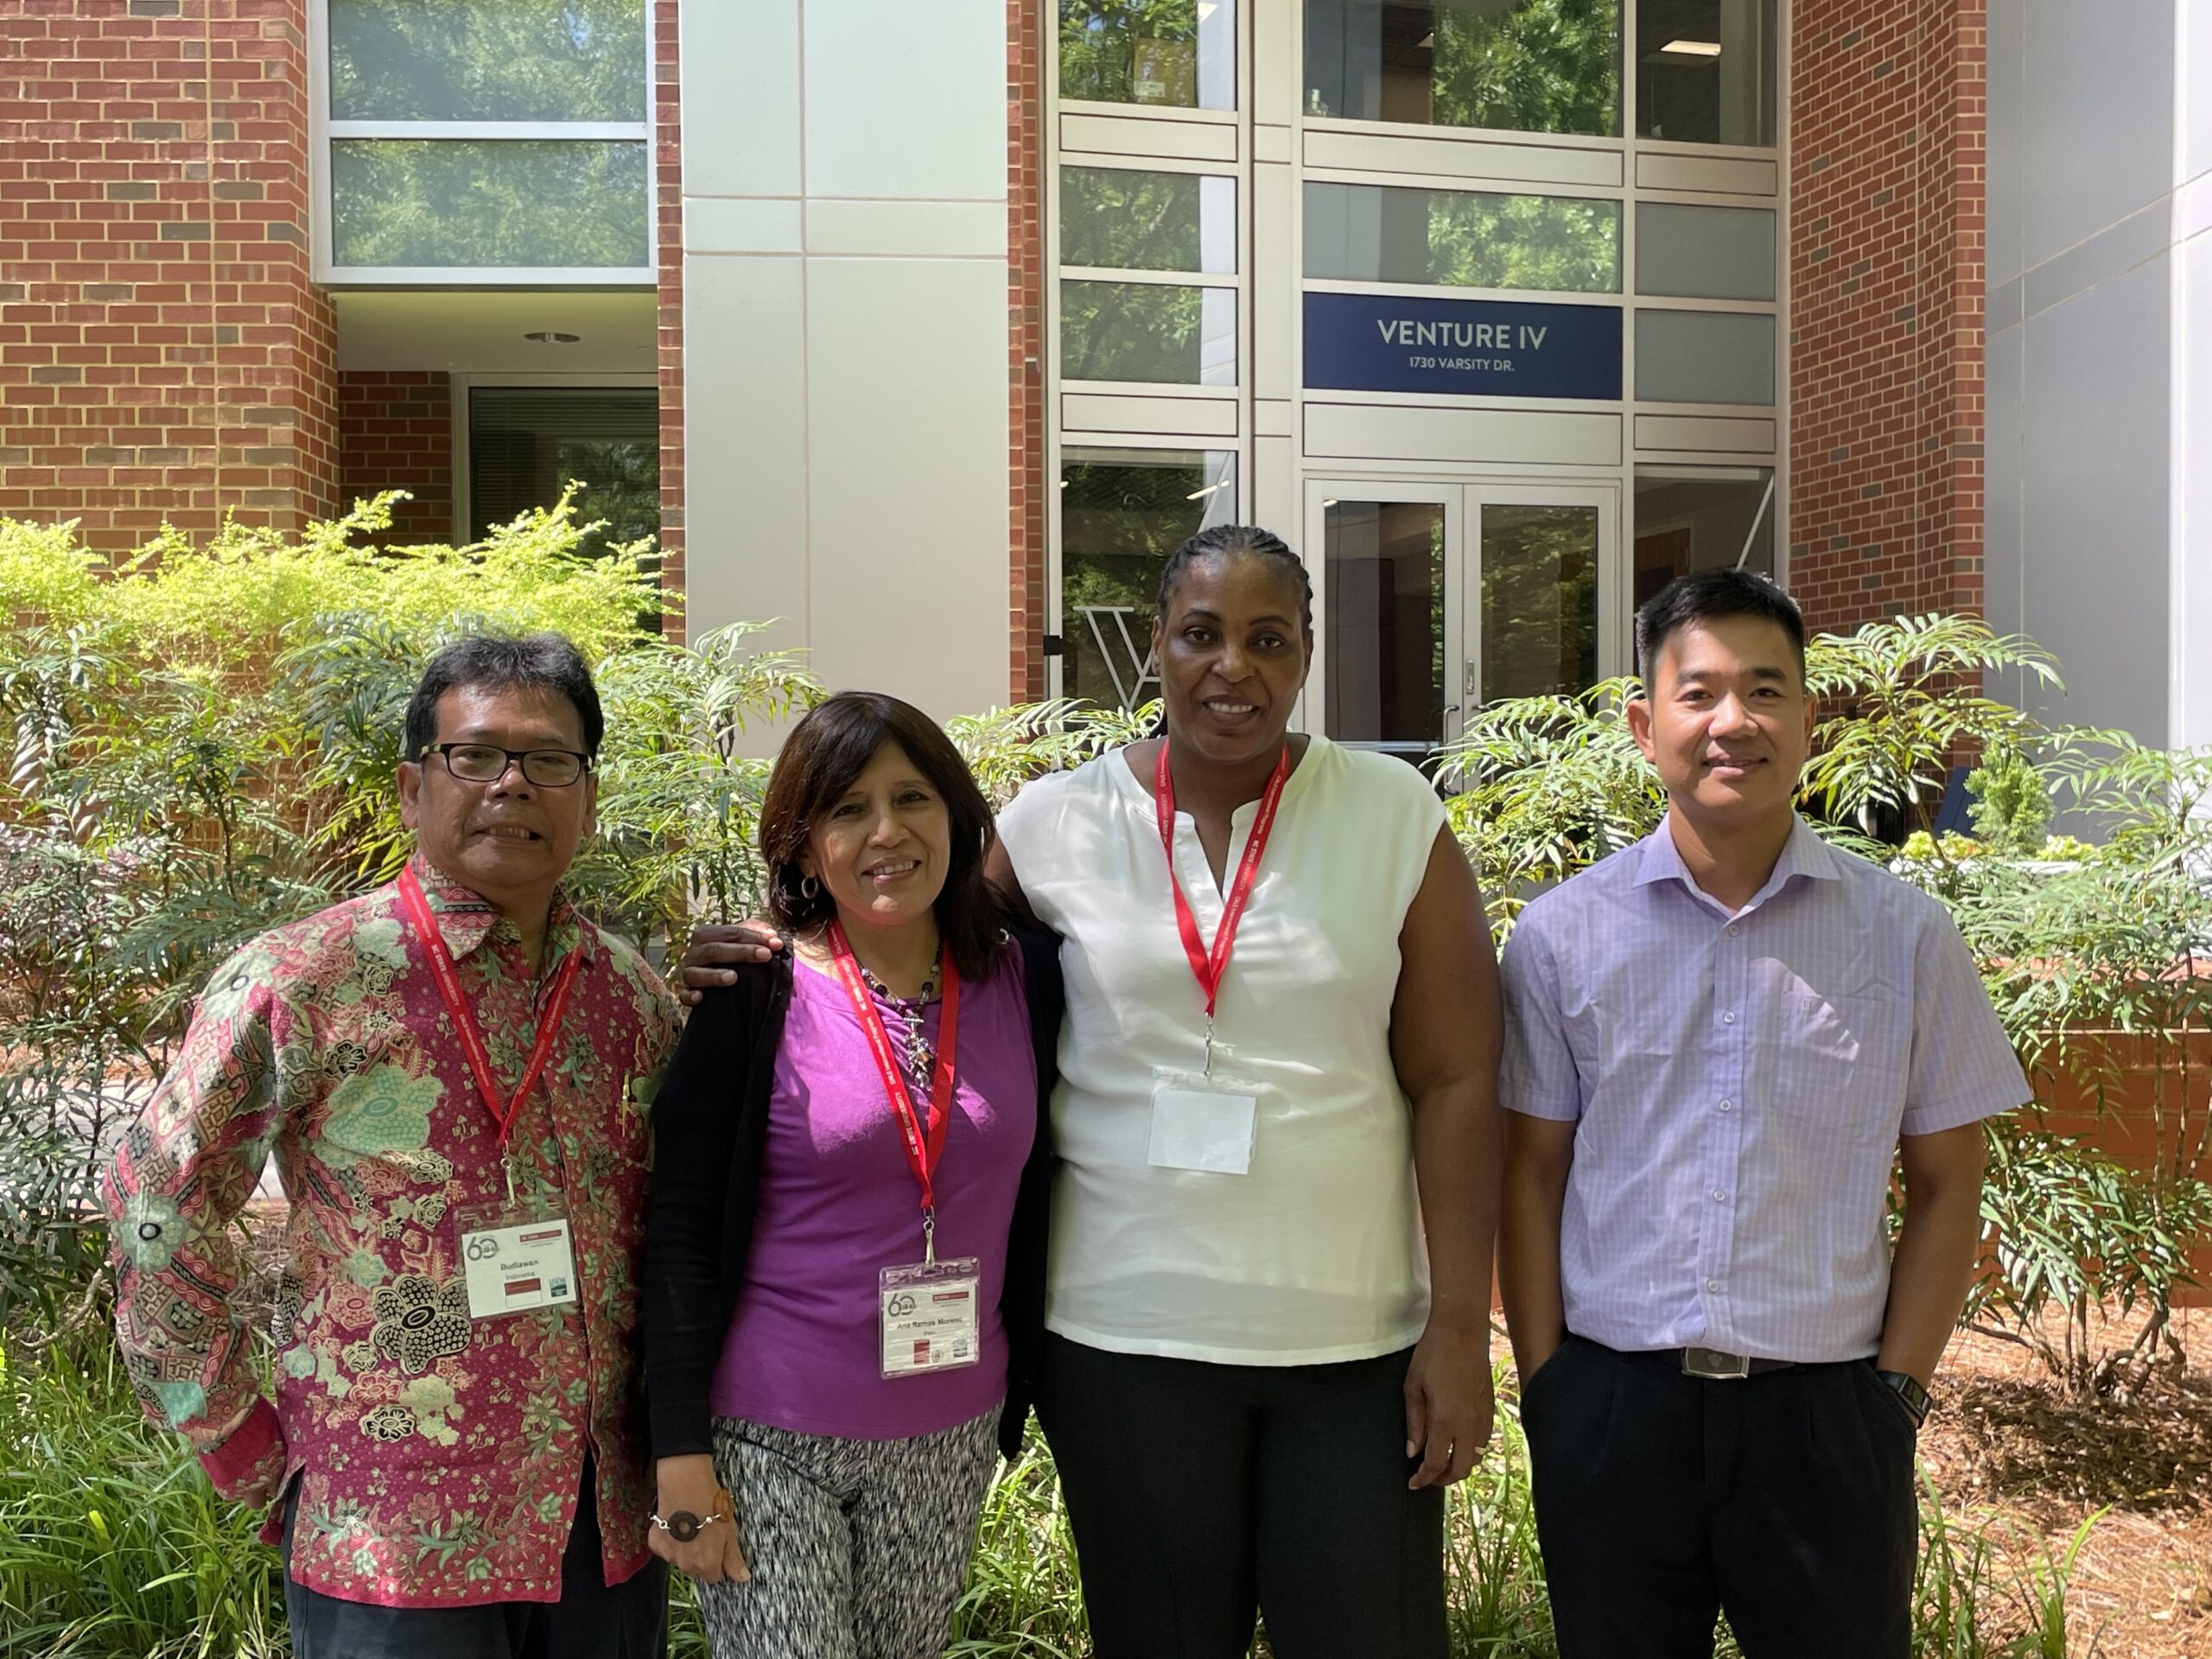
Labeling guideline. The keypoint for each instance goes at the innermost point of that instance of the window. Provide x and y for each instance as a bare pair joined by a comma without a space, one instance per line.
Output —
1462,239
1122,218
1164,332
509,140
1122,512
1518,66
1704,356
1704,253
1705,71
1701,519
1181,54
1382,565
1540,600
526,445
1151,332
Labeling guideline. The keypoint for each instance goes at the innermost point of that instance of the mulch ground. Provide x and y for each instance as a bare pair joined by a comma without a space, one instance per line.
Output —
2007,1446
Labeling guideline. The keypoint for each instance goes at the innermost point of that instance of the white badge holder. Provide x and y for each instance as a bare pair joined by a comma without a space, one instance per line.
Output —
1203,1119
929,1317
516,1257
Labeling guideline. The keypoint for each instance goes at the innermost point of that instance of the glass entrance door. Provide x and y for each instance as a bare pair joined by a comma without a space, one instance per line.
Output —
1436,598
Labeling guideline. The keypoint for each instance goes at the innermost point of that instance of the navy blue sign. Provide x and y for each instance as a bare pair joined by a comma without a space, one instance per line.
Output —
1488,348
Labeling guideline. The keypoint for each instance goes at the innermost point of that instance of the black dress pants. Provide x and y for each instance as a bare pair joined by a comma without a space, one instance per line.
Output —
1786,1500
1199,1494
592,1620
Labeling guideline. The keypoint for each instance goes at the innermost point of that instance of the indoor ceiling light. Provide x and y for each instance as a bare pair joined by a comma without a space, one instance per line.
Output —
1328,500
1691,48
552,337
1427,43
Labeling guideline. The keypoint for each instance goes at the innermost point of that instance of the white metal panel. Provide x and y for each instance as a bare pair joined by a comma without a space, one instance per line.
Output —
1459,158
1534,437
1713,175
902,101
1274,417
907,491
1272,144
1274,283
742,224
1695,432
944,230
1109,135
746,145
745,387
1276,48
1197,417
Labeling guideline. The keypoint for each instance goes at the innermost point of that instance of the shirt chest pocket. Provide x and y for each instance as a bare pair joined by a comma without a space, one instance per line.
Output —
1834,1066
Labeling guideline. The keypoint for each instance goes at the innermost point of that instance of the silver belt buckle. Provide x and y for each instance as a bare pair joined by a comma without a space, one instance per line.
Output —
1713,1363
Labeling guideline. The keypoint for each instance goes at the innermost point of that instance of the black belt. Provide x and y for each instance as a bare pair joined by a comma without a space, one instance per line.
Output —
1713,1364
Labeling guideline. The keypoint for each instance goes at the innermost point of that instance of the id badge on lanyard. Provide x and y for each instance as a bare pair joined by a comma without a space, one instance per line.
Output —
1204,1117
516,1254
927,1312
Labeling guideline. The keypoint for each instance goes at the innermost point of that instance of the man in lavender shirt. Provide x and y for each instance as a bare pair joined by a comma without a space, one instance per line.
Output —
1717,1042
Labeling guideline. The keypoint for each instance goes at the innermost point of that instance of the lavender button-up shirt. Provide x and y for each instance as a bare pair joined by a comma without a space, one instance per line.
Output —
1738,1085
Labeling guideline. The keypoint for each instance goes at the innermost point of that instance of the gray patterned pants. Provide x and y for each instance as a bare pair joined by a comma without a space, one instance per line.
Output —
857,1548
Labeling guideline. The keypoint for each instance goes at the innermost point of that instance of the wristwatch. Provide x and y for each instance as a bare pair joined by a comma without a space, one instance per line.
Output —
1914,1397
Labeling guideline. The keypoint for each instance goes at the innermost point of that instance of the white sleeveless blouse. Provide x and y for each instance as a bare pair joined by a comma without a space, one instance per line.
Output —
1314,1256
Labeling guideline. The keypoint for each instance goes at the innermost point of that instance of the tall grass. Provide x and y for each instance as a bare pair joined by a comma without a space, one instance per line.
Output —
113,1547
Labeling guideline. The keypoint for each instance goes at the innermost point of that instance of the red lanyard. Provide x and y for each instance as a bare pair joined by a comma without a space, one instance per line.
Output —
1210,968
924,1145
464,1017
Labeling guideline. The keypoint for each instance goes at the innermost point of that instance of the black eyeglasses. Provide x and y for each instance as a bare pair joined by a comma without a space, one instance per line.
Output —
487,763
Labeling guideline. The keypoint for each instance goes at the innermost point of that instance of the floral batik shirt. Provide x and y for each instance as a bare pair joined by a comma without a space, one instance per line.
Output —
440,1458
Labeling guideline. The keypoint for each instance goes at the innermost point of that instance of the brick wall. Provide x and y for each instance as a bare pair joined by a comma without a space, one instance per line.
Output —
163,354
668,206
394,432
1886,279
1028,603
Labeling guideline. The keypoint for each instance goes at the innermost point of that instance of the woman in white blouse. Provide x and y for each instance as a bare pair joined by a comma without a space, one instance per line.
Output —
1269,1281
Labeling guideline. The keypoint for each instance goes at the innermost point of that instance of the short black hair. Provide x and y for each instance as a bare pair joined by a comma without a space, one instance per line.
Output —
1703,595
829,748
1236,541
546,662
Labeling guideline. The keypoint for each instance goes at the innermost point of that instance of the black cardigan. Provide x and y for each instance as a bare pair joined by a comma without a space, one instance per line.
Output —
711,1124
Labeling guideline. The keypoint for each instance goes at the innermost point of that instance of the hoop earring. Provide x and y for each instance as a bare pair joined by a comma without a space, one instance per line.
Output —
809,889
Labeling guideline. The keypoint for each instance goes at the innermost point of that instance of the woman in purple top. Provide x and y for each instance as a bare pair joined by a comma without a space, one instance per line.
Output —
844,1258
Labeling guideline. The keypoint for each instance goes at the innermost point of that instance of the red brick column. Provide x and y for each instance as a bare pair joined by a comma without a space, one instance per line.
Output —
394,432
164,354
1028,605
1888,118
668,207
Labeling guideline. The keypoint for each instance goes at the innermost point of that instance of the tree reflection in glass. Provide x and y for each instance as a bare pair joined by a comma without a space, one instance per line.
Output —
487,61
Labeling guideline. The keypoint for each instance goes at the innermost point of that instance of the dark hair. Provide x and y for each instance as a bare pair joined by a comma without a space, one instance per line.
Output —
1236,541
1703,595
825,751
542,661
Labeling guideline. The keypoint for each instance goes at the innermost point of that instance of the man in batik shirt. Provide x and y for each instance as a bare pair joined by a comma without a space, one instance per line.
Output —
456,1477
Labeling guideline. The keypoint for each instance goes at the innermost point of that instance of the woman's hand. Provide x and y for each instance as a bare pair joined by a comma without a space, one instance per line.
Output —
688,1483
1449,1405
708,959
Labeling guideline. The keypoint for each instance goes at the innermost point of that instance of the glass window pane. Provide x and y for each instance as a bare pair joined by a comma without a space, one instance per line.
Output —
1130,220
526,446
1704,253
1517,65
1691,518
1704,356
1705,71
1149,331
1122,512
1384,583
512,60
1462,239
488,202
1179,53
1540,600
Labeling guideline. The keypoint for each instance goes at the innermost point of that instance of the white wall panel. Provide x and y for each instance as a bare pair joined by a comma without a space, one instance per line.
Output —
743,225
1197,141
742,100
1453,158
2099,103
745,499
973,230
905,100
1534,437
907,478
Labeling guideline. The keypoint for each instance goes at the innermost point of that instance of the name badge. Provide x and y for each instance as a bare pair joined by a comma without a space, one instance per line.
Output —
930,1317
1203,1120
516,1258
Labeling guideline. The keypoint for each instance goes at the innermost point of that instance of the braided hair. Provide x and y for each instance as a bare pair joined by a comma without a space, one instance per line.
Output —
1237,540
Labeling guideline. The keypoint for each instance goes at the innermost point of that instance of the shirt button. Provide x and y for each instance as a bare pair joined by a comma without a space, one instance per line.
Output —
1729,1018
1712,1284
1719,1197
1727,1105
1734,928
